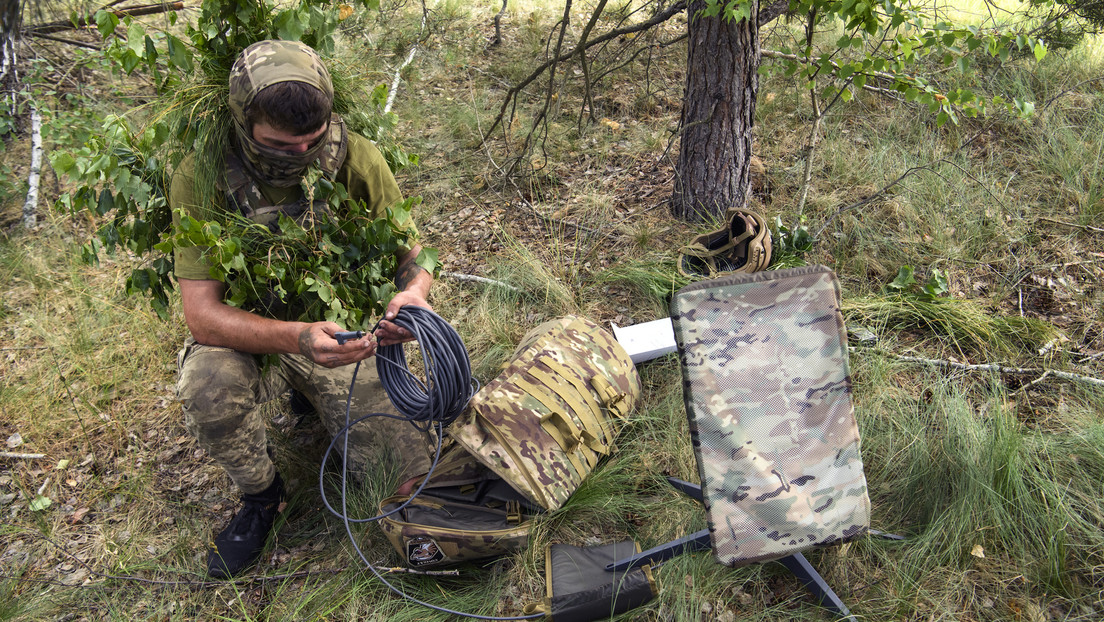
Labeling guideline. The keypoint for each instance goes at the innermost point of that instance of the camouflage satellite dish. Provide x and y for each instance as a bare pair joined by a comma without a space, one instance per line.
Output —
768,397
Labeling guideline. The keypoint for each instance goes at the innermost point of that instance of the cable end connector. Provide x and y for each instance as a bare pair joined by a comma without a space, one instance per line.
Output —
351,335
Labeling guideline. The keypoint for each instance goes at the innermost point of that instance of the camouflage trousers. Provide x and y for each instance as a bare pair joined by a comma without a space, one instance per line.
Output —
221,391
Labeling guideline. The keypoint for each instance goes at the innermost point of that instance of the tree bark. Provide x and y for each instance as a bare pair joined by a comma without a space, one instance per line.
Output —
9,29
718,114
30,206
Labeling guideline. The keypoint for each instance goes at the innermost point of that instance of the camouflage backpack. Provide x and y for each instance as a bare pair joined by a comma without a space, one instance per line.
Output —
525,443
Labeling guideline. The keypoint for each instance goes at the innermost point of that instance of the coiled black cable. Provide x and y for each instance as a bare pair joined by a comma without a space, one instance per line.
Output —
427,405
447,370
450,388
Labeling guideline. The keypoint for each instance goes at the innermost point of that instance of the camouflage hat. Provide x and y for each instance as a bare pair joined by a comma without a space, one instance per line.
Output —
270,62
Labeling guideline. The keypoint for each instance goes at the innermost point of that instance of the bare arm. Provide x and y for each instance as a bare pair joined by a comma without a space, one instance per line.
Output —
215,323
413,283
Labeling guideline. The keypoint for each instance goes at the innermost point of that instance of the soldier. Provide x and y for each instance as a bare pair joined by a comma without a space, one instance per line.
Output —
281,103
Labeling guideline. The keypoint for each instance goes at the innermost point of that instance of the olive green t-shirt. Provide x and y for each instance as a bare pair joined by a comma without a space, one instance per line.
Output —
364,174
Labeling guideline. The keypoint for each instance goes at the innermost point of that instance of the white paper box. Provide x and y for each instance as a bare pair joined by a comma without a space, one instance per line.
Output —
646,341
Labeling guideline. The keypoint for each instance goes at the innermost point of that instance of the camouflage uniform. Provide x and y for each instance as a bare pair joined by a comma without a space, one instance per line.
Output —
221,389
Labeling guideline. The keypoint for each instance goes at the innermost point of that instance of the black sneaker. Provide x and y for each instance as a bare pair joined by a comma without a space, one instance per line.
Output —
241,542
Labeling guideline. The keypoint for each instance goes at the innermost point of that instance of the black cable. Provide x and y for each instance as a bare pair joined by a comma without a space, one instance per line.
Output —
447,370
450,387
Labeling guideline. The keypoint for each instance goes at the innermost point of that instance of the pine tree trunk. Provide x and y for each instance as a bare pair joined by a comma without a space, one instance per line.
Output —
718,112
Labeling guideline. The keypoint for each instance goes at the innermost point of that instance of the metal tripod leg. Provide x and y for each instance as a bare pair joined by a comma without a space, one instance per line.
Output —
811,579
699,541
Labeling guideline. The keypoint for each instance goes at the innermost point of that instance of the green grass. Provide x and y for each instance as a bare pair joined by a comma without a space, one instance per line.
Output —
996,480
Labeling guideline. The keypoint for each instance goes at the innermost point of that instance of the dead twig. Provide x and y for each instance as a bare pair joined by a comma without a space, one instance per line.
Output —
1068,91
589,96
1034,382
1002,369
1072,224
73,42
19,456
659,18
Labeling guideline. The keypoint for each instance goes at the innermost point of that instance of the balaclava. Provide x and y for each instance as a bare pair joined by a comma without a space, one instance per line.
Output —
261,65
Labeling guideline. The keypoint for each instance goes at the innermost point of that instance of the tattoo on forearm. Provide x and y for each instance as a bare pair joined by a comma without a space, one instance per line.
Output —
406,273
305,344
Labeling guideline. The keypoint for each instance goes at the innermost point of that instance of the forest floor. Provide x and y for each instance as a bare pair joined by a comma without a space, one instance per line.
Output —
980,406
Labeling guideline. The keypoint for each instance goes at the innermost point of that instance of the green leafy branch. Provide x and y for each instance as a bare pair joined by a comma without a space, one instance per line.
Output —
337,264
122,175
893,37
124,191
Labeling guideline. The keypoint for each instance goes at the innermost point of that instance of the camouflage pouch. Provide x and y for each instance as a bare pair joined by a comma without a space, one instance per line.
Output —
465,512
768,396
525,443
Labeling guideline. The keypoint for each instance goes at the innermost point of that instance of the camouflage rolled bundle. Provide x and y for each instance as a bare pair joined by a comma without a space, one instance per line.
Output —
525,443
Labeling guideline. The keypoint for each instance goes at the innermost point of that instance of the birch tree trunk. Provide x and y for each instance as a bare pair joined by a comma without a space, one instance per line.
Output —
9,29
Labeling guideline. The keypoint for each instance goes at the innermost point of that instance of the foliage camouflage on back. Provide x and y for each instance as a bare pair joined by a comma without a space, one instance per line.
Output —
555,410
768,397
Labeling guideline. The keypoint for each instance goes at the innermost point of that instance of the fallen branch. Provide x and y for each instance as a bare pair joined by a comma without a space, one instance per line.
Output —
30,207
19,456
471,278
993,367
1072,224
62,25
1092,357
73,42
1034,382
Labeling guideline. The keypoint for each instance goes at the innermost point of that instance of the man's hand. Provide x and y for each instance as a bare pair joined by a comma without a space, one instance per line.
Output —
317,342
413,283
390,333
